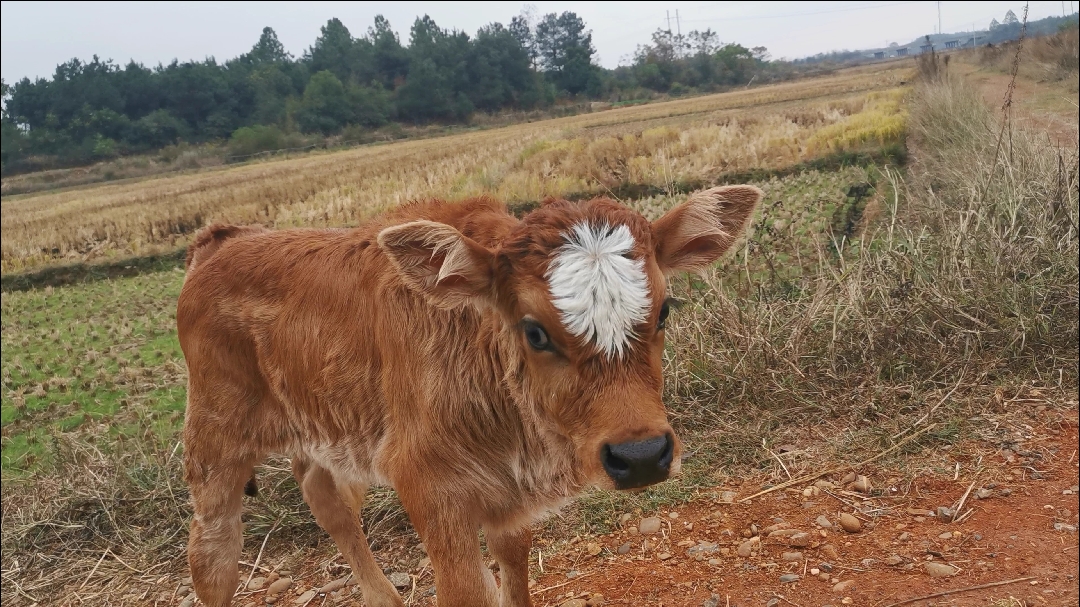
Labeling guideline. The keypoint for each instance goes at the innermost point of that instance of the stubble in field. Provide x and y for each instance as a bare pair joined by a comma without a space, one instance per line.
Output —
658,145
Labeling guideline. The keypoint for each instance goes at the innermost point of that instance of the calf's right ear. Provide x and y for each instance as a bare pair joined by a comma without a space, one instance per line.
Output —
698,232
448,268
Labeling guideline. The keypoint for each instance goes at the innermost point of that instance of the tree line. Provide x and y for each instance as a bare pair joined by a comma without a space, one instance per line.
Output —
94,110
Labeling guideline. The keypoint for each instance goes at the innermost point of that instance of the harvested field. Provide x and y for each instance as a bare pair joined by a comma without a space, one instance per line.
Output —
659,145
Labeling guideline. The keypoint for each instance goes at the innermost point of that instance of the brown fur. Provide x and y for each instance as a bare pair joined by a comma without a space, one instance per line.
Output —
210,239
392,353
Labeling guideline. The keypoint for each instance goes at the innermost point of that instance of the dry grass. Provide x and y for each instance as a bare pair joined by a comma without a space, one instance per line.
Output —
936,297
1046,58
191,157
1062,51
866,303
880,122
966,279
734,131
172,159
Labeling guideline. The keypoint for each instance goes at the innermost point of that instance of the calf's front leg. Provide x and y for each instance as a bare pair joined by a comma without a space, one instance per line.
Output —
511,549
453,545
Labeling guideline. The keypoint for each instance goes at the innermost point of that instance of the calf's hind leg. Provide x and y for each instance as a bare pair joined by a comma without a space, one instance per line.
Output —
215,541
336,507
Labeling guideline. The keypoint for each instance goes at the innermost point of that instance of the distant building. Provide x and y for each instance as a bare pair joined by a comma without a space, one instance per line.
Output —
879,55
926,48
952,44
901,52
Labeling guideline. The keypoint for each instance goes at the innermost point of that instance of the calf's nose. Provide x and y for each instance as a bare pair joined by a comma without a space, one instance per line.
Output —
639,463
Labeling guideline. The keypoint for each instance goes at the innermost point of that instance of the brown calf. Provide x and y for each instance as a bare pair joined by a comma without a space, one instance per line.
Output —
486,368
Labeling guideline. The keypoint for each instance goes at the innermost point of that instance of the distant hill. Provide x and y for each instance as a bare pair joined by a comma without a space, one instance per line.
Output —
996,32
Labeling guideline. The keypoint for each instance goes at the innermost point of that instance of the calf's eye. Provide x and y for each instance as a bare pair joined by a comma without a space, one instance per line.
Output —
664,311
536,336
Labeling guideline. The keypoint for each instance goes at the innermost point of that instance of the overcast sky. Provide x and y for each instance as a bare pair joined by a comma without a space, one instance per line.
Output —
36,36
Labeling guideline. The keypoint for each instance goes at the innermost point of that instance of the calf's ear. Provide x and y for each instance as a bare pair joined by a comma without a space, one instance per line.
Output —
448,268
698,232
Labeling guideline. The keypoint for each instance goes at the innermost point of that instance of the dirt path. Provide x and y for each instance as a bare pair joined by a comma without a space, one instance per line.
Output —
1046,106
1025,527
1017,525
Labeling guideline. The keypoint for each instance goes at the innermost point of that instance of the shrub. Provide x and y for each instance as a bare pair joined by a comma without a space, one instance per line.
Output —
249,140
157,129
104,148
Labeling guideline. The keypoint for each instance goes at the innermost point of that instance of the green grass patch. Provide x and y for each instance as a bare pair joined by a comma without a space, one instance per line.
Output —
99,354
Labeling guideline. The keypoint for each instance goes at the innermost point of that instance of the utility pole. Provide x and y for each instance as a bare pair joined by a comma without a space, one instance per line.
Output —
678,25
668,13
939,18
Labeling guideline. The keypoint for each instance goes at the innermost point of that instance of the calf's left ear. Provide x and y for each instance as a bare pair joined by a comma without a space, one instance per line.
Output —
698,232
448,268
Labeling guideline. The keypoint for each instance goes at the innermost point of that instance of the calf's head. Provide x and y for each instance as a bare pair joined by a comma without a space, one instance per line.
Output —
581,288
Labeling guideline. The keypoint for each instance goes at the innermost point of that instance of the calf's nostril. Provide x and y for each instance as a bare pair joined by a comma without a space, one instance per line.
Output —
638,463
669,450
613,462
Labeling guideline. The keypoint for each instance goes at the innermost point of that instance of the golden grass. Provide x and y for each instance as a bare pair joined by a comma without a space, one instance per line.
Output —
881,121
656,144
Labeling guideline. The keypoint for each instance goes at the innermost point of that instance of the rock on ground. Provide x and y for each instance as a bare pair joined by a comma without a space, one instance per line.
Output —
400,580
935,569
649,525
280,585
849,523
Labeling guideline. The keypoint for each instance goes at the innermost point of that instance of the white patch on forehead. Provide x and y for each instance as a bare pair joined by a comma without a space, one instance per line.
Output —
600,292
